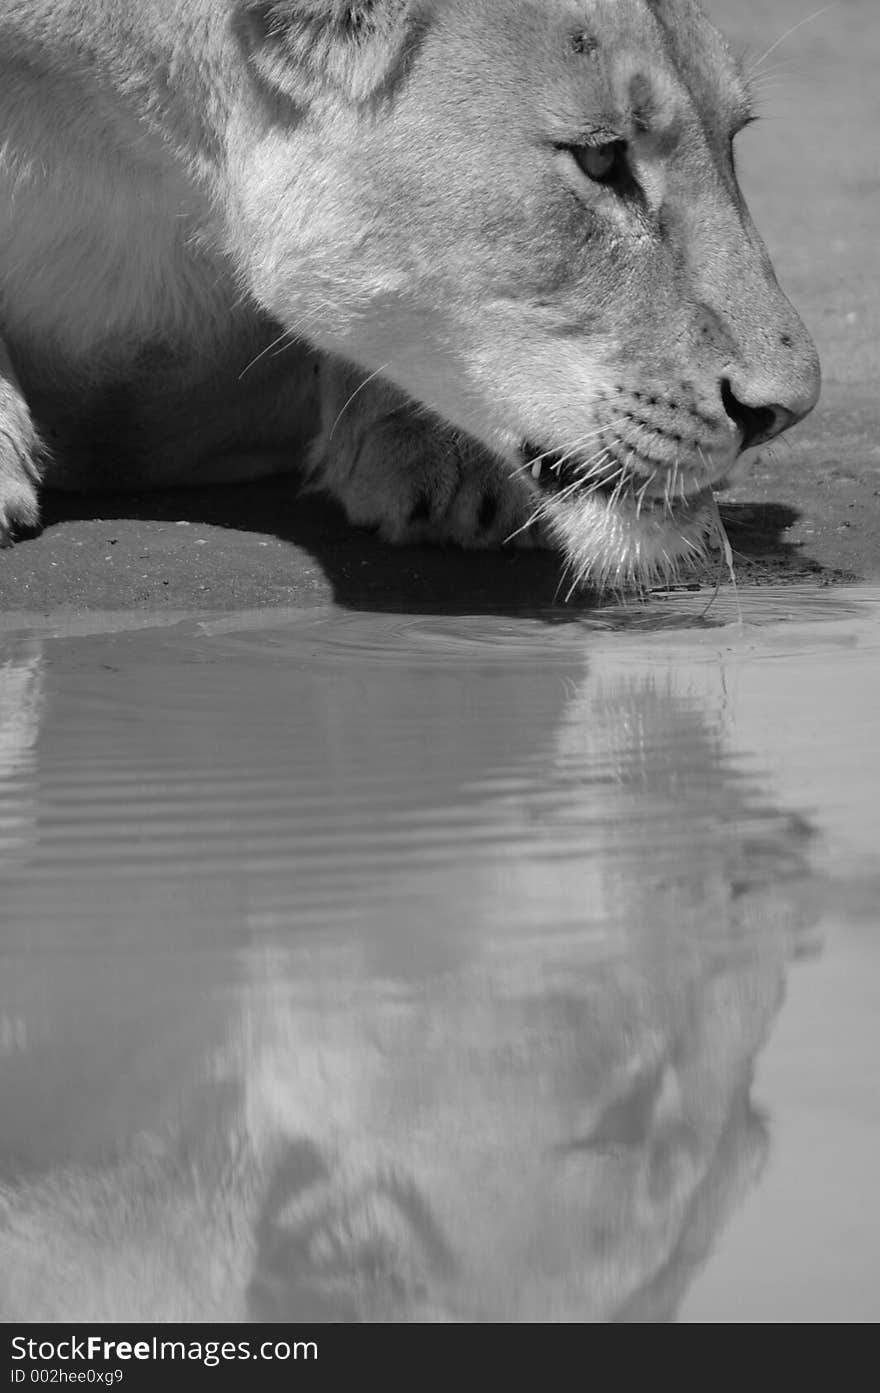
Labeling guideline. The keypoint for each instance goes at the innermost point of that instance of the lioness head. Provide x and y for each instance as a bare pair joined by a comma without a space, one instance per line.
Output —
526,214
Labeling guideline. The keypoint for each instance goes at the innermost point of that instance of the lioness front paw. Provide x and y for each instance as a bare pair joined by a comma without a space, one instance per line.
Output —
19,506
19,454
411,478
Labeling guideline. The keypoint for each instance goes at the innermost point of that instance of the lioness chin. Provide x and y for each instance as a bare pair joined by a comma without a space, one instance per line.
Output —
491,254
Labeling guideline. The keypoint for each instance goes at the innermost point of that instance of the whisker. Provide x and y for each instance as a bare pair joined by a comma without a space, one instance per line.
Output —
563,573
640,496
787,35
580,485
726,549
569,450
367,380
782,65
285,333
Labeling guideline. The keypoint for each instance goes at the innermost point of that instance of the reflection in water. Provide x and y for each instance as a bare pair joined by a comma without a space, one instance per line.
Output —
20,706
418,982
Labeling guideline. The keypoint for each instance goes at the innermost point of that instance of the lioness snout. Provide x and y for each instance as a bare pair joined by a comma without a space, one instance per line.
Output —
763,408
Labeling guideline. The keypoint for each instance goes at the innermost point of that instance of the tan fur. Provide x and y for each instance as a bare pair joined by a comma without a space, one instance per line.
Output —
197,195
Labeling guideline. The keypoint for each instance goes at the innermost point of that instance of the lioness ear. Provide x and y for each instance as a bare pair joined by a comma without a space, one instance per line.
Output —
302,47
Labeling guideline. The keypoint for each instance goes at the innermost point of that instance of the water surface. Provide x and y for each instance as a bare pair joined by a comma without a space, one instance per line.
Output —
442,968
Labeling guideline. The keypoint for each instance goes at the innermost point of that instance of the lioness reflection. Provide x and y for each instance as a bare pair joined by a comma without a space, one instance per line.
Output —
526,1098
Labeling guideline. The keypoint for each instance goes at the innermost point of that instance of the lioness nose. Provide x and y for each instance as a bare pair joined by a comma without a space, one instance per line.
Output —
757,423
760,421
768,399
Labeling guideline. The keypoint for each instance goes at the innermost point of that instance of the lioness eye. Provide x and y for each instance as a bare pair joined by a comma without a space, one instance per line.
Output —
601,163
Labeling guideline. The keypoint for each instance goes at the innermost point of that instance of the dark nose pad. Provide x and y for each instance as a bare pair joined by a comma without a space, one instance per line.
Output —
757,423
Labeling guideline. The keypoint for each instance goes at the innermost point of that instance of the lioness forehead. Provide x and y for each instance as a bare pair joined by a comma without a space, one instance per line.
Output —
700,54
672,34
665,53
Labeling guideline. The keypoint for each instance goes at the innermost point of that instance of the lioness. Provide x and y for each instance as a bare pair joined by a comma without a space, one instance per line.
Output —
503,238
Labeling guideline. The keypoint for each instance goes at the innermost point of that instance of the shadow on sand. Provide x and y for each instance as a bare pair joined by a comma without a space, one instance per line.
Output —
365,574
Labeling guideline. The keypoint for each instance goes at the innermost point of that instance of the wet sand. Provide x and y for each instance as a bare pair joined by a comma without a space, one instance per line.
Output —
810,508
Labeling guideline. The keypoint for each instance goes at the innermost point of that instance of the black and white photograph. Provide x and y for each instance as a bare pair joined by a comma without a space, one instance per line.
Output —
439,675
